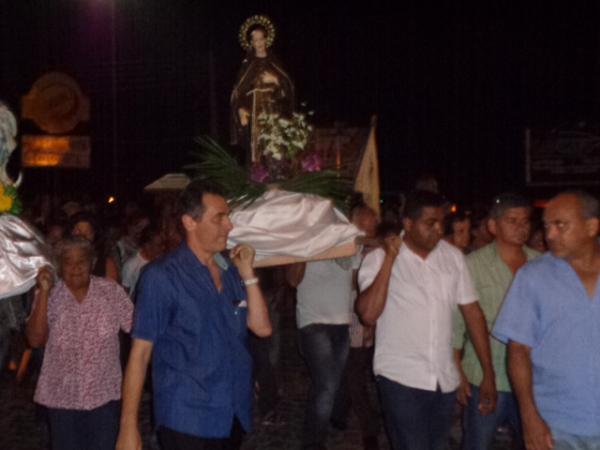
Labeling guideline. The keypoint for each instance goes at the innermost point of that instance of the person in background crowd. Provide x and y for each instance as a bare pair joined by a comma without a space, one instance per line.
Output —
492,269
54,233
549,320
151,247
353,392
128,244
480,235
84,225
537,241
458,231
78,320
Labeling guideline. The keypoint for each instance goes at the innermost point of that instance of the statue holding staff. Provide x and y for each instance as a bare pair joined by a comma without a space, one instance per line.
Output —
262,86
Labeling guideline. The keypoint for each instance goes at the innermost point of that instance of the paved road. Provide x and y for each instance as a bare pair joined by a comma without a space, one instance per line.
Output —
22,425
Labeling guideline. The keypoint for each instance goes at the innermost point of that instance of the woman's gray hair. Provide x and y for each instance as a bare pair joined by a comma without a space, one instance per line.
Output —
70,243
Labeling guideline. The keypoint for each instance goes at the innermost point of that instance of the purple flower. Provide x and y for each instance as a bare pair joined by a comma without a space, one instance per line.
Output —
259,173
312,163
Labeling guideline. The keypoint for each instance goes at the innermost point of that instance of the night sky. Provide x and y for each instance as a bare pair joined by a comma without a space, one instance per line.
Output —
453,87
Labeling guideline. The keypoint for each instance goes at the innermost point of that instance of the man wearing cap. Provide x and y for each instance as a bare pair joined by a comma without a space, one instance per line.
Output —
492,269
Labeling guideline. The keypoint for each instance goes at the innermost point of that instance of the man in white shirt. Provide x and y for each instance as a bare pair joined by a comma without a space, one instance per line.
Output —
151,247
410,289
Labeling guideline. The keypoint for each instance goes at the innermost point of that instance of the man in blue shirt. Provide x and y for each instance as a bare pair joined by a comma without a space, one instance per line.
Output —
192,313
550,320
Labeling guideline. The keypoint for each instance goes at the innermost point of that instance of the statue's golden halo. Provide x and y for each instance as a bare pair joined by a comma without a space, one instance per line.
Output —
257,19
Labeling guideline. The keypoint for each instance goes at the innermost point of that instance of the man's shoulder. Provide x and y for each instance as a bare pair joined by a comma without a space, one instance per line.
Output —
482,256
164,267
372,257
540,265
531,253
449,253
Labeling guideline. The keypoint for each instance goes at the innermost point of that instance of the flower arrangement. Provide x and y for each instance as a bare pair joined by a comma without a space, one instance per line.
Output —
303,174
9,201
283,143
281,137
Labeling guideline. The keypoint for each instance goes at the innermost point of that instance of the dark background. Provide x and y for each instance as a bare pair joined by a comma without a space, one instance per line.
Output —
453,86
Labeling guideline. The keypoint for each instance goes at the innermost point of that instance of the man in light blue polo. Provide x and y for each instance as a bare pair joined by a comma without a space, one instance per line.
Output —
551,322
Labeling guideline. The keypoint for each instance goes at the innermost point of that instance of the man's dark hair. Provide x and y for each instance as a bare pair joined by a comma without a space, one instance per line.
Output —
507,200
451,219
82,216
590,208
358,208
148,235
191,198
385,229
417,200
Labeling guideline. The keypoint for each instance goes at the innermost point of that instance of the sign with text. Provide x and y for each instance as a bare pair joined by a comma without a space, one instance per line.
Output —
562,158
56,151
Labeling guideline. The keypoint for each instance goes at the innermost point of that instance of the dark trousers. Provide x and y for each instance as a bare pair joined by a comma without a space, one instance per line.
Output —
325,350
85,430
416,419
174,440
264,374
353,393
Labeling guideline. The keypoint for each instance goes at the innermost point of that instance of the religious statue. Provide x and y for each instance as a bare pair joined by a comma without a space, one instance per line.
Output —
262,86
22,248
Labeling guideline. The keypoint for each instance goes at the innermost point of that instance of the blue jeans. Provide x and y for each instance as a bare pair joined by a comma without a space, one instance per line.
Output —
96,429
416,419
566,441
479,431
325,350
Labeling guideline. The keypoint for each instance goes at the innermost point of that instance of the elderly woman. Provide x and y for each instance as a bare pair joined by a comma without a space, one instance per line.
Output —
78,320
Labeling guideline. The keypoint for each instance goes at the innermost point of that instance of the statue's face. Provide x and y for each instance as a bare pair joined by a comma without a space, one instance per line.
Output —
258,41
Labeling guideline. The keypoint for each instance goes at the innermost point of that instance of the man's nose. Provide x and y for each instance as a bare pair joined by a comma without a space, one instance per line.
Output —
228,224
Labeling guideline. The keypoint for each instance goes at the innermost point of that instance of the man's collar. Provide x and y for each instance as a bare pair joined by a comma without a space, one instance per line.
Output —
219,259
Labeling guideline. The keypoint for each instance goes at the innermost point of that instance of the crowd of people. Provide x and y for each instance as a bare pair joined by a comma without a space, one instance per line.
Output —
442,309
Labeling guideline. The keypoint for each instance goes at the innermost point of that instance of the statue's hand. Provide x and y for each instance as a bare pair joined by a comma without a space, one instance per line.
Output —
244,116
269,78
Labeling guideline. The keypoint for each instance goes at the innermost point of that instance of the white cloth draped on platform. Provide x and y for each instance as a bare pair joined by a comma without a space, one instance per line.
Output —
22,253
289,224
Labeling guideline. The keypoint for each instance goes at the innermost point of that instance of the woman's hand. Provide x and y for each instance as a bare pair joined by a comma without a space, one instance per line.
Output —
45,279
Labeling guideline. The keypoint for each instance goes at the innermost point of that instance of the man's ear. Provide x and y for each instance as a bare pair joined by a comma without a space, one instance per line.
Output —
188,223
591,226
491,226
407,224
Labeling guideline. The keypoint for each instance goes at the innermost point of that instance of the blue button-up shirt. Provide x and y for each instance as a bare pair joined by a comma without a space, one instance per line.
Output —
548,309
201,367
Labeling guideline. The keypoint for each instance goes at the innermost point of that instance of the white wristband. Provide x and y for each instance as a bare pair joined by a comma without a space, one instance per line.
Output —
251,281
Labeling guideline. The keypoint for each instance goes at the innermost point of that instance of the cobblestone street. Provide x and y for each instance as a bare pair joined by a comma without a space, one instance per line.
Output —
22,424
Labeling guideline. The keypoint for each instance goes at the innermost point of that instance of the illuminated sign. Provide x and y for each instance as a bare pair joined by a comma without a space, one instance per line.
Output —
56,103
56,151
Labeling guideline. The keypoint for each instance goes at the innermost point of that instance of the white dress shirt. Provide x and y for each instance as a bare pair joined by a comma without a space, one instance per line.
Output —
413,343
